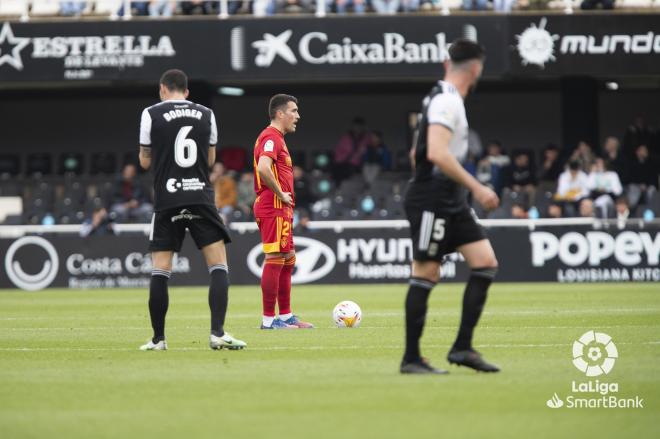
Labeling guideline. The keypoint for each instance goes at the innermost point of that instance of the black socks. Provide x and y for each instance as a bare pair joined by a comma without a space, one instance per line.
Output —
158,302
474,299
416,305
218,298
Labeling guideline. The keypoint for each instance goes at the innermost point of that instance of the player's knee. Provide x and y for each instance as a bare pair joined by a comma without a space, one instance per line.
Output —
484,272
491,262
427,271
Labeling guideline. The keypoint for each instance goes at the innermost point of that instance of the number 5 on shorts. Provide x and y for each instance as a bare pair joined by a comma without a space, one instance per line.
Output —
439,229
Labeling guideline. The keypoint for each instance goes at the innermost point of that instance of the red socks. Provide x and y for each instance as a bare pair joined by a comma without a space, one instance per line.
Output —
284,292
270,281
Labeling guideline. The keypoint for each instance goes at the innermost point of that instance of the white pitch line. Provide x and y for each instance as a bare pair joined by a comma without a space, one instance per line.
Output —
432,313
307,348
329,327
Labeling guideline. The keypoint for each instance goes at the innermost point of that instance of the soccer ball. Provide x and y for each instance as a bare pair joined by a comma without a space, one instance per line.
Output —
347,314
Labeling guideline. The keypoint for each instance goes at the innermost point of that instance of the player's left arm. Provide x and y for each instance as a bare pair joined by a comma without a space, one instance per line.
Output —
211,156
213,140
145,157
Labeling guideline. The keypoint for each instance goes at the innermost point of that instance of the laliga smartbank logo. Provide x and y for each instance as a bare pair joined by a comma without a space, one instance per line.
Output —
594,354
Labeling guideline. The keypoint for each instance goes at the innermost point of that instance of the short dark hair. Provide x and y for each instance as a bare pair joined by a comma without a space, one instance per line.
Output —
466,50
175,80
277,102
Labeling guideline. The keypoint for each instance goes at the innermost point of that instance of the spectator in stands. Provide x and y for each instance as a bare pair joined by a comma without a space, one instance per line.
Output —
410,5
622,209
553,211
573,184
75,9
614,157
475,5
518,211
503,5
137,8
304,197
521,176
643,178
490,169
584,155
197,7
358,6
586,209
642,170
129,200
638,133
293,6
389,7
100,223
475,147
349,150
302,188
224,186
261,8
162,8
550,167
376,158
604,186
593,4
245,195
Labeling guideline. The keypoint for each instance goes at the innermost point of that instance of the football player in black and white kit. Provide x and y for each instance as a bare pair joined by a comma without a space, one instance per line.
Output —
441,221
178,138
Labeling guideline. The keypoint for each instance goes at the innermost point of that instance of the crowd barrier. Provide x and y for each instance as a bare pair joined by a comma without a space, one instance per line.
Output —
564,250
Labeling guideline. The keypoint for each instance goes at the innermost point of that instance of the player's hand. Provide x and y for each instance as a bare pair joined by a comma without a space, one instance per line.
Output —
286,198
486,197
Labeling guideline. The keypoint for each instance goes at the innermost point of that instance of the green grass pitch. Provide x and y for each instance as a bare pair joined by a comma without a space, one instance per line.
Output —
70,368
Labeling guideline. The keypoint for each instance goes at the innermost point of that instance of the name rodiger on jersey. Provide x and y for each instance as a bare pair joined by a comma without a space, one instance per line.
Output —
186,112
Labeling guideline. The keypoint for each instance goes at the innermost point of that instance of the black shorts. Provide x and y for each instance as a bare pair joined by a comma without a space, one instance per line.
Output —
436,234
168,227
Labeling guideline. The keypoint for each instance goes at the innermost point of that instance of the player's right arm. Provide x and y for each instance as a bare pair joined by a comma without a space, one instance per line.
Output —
145,139
438,153
145,157
268,178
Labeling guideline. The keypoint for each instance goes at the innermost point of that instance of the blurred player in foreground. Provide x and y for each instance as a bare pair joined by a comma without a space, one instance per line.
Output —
441,221
179,137
273,210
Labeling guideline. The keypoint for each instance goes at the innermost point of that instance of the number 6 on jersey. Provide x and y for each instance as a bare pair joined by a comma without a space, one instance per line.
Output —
185,149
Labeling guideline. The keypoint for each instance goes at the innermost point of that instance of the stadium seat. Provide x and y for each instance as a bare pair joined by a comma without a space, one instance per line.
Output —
45,7
10,188
71,163
10,164
12,7
13,220
40,190
103,163
41,164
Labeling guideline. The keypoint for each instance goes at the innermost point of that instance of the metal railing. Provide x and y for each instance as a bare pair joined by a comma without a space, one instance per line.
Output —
260,8
15,231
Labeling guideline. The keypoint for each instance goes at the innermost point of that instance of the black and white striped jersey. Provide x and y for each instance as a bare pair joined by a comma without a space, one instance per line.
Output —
179,134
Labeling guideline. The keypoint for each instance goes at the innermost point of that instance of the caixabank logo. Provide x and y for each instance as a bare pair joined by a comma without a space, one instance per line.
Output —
594,355
315,48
